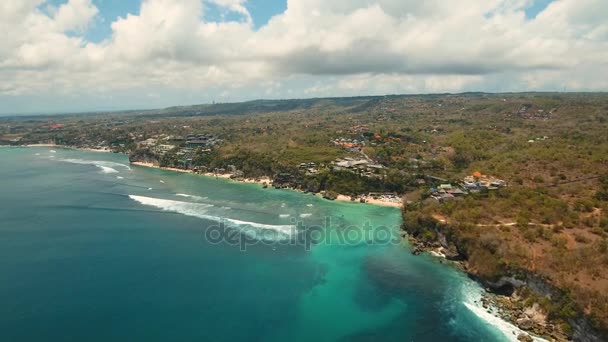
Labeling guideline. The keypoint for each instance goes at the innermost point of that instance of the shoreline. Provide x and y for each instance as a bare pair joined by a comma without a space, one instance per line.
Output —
491,304
267,181
370,200
261,181
487,296
88,149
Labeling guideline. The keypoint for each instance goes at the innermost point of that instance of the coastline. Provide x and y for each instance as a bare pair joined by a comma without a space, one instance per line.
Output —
489,301
370,200
88,149
492,304
261,181
267,181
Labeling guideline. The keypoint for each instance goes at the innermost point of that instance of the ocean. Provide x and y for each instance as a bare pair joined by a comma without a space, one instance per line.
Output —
94,249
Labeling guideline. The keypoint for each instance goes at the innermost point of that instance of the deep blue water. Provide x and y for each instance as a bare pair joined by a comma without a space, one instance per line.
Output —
92,249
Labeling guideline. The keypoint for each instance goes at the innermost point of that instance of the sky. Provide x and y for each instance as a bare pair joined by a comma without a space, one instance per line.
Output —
87,55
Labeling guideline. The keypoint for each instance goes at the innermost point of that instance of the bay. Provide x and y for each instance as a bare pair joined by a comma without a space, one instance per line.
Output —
92,248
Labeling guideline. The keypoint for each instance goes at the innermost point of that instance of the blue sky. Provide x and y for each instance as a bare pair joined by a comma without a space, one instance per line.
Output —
54,61
537,7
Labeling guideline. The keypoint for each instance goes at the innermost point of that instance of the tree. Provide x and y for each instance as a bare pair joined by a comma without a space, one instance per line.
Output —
602,193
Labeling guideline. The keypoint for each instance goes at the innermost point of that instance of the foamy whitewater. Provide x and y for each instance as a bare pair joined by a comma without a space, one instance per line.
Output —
252,229
105,169
194,197
105,166
472,295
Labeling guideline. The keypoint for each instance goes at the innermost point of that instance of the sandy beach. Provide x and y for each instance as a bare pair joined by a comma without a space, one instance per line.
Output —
260,181
42,145
370,200
93,150
268,181
70,147
160,168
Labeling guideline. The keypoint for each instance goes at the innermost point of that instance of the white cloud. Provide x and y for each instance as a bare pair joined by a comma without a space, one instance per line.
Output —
316,47
75,15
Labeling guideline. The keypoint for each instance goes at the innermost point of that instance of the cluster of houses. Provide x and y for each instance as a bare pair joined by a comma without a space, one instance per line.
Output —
385,197
351,145
196,140
184,147
161,149
202,140
360,166
470,184
478,181
191,142
526,112
359,129
185,155
311,168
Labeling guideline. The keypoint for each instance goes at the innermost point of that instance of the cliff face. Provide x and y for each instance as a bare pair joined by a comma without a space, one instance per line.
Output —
522,286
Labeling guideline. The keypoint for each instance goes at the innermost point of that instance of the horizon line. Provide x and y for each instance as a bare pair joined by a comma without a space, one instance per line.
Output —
124,110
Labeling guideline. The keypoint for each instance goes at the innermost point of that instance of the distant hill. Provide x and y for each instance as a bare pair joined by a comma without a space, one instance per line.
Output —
264,106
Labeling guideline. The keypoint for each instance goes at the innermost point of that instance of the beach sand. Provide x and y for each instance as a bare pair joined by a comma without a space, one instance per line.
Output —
268,181
70,147
207,174
160,168
369,200
43,145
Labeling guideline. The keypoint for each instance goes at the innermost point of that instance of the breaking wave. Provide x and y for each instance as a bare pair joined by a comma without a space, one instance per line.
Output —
305,215
106,169
105,166
472,299
253,229
196,198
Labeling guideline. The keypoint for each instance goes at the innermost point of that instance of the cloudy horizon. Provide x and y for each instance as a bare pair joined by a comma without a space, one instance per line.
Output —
85,55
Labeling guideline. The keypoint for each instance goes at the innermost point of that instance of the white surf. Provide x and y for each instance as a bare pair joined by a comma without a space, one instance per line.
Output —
194,197
253,229
472,301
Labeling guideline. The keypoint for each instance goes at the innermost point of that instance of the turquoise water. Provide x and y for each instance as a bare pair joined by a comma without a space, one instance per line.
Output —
94,249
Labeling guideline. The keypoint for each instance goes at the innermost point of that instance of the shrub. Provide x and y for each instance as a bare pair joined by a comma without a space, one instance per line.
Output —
538,179
559,242
580,238
604,223
585,206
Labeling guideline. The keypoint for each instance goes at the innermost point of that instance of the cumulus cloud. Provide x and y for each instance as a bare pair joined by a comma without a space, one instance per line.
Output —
316,47
74,15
